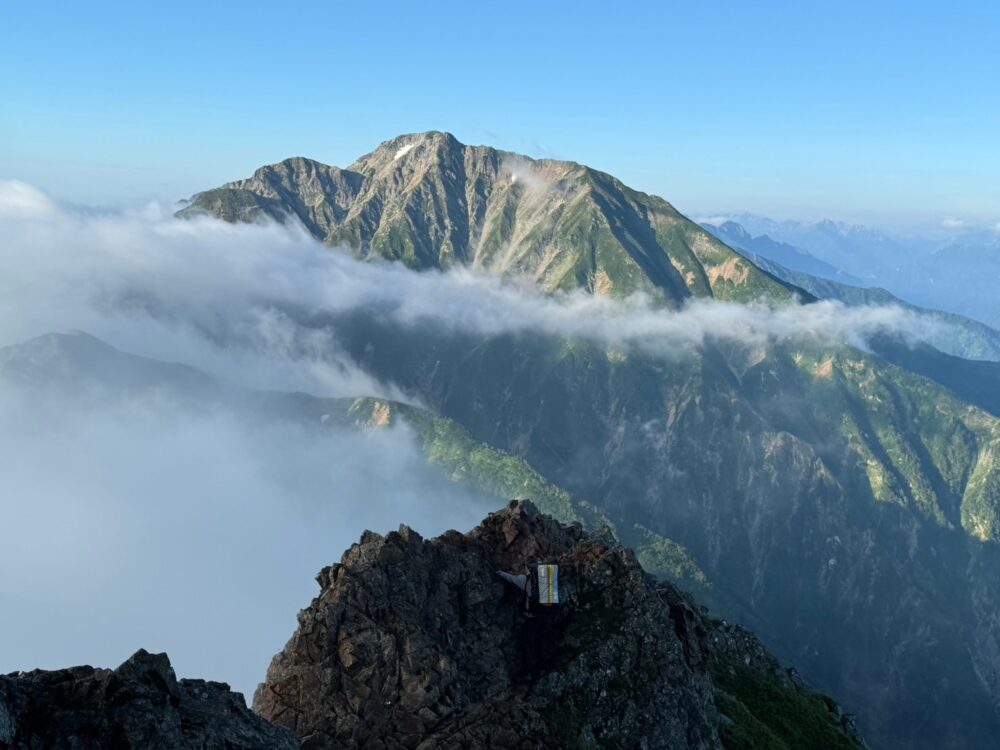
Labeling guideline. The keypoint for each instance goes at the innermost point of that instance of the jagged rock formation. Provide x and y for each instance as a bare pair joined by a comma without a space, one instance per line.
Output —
432,202
141,704
418,643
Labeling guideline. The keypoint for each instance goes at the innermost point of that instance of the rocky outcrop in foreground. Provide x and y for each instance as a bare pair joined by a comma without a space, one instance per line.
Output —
416,643
139,705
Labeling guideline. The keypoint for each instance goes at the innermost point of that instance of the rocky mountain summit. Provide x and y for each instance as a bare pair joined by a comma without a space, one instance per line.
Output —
141,704
416,643
432,202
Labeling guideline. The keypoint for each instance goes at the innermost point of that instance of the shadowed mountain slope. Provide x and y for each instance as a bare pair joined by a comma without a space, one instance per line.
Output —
713,682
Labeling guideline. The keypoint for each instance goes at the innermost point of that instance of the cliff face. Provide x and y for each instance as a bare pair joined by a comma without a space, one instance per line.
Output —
418,643
141,704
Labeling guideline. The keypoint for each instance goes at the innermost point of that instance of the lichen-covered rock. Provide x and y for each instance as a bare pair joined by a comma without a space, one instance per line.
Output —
141,704
416,643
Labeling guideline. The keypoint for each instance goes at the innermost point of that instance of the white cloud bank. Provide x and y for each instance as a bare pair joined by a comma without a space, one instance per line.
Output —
152,284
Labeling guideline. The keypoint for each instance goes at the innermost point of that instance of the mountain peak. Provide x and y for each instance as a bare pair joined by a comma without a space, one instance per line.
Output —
735,230
429,201
50,348
433,141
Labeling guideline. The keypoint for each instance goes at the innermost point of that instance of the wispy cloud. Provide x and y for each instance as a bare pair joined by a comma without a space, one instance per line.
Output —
713,220
526,173
259,289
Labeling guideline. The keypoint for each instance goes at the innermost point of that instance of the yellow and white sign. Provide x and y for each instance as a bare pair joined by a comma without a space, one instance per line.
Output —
548,584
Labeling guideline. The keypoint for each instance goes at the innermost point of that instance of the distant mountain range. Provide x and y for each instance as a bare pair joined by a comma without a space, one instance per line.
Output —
432,202
854,248
956,272
794,258
845,507
959,336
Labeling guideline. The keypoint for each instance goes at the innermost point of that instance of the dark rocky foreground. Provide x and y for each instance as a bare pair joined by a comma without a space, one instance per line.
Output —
416,643
139,705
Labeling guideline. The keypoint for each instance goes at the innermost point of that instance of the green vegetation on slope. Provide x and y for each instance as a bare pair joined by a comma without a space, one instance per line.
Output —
665,558
919,446
766,715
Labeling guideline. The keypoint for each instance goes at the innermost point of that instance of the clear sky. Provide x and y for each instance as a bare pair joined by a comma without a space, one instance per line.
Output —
877,111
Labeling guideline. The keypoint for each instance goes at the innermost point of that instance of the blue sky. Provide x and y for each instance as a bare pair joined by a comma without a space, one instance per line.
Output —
887,114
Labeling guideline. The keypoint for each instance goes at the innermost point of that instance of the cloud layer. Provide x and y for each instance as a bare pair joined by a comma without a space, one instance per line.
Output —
133,278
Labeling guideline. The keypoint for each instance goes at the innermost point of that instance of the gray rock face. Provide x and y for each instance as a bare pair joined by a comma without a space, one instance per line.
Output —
141,704
416,643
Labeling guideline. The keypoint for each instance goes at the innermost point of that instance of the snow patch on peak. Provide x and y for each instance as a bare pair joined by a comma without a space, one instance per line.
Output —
403,151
